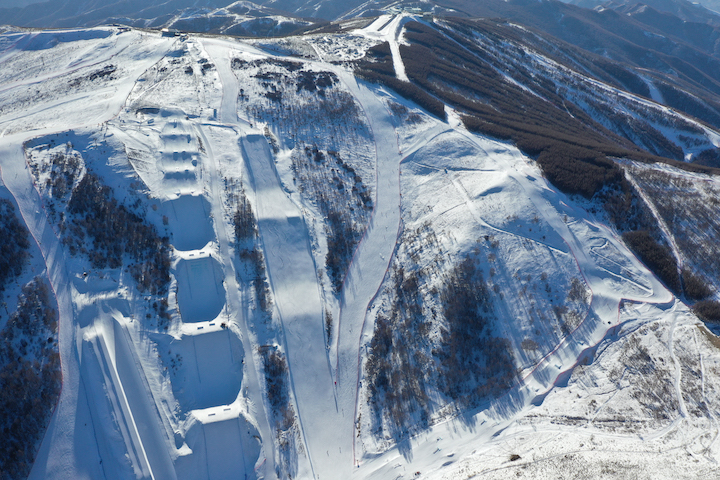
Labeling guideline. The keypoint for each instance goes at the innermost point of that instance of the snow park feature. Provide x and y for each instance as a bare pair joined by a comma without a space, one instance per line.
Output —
208,368
227,445
200,291
307,257
193,210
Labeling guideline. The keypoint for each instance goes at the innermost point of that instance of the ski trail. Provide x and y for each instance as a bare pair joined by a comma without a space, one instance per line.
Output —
97,346
605,301
228,116
291,271
555,366
67,69
65,447
372,259
388,28
393,35
678,366
661,223
478,218
72,447
292,274
235,305
135,415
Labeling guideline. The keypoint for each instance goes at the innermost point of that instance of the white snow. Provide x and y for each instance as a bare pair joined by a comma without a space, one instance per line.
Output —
189,402
200,293
388,28
195,210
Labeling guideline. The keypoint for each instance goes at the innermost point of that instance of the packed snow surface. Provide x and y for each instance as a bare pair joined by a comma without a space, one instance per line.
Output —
146,396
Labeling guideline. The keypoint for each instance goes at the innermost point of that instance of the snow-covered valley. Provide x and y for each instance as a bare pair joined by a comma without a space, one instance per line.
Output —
255,260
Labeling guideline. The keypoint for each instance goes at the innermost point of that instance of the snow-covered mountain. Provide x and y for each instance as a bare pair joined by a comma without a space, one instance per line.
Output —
207,16
682,9
17,3
432,247
701,12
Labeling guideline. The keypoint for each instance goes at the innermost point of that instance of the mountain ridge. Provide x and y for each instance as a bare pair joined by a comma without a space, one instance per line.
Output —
429,247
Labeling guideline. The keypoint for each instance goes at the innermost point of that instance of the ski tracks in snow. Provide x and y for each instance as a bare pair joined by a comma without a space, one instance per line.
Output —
389,28
235,304
65,447
326,398
70,447
373,256
228,116
605,301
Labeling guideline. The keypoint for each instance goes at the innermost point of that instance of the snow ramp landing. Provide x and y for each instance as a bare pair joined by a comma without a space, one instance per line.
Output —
200,287
190,223
224,446
179,153
206,369
131,439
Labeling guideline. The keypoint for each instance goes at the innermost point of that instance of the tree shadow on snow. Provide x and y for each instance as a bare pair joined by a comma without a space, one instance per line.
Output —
404,446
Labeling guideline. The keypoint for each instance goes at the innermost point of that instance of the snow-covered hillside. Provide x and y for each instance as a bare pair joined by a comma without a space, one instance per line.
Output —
258,256
207,16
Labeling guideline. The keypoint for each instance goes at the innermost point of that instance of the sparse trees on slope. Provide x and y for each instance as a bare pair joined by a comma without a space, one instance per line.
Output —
14,244
115,231
30,378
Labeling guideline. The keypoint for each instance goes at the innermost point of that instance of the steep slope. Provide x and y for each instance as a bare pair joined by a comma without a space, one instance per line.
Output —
679,57
258,254
239,18
30,370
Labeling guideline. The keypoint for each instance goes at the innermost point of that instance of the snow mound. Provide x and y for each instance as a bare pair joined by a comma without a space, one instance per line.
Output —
49,39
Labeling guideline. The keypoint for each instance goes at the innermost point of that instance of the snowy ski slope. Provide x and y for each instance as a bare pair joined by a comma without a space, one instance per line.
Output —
189,399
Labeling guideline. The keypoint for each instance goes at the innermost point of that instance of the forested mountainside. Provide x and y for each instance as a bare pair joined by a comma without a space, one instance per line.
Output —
432,246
